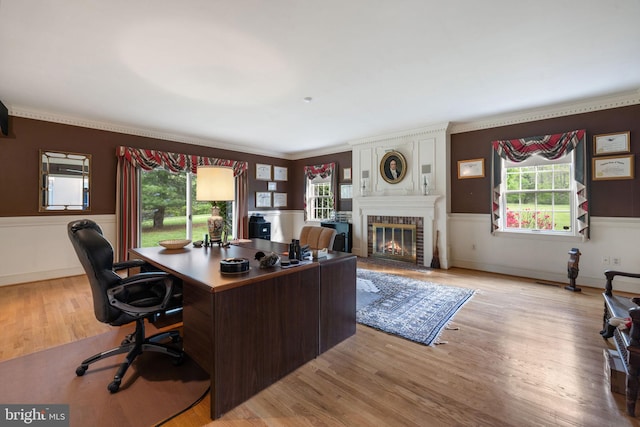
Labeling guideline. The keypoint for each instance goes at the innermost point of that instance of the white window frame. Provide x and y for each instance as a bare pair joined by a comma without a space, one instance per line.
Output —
537,160
311,196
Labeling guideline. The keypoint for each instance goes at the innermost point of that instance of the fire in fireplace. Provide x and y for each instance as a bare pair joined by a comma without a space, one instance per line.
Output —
395,241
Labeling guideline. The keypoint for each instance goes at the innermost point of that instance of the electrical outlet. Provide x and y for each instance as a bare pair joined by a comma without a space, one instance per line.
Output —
605,260
616,260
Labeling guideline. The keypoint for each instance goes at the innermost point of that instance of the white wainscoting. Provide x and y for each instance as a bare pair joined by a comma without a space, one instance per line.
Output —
38,248
472,245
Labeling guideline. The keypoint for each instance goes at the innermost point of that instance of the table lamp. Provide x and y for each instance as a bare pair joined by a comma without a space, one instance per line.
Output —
215,184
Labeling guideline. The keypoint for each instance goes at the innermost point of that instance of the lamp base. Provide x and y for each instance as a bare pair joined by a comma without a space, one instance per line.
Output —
215,225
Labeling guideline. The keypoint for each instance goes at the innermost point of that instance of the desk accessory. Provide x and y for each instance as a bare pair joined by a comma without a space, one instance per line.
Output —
174,244
234,265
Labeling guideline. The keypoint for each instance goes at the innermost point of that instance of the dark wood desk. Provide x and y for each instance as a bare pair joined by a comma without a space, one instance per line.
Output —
249,330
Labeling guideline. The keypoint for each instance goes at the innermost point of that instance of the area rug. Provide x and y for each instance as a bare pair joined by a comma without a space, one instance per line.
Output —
410,308
152,390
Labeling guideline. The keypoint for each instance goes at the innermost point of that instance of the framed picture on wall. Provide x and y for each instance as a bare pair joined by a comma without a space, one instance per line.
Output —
473,168
346,191
279,173
393,167
279,200
263,199
263,172
611,143
346,174
272,186
613,167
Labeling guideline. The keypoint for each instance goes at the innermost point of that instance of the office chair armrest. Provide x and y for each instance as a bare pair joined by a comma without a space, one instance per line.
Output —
117,266
150,278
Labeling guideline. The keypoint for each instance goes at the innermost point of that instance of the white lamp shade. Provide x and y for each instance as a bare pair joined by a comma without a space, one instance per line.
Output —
215,184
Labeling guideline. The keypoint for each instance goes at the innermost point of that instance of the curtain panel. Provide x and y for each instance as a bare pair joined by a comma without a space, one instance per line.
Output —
322,171
132,160
550,147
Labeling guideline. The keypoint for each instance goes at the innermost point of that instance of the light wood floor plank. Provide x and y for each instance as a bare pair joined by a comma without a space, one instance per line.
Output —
523,354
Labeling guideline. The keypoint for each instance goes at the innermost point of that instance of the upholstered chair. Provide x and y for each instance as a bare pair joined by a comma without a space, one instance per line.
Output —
317,237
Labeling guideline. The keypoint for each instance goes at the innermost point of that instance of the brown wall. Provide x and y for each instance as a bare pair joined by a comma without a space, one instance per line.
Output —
614,198
20,157
342,160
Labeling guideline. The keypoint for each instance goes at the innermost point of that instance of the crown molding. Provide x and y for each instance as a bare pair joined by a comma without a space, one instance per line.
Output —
334,149
566,109
128,130
438,128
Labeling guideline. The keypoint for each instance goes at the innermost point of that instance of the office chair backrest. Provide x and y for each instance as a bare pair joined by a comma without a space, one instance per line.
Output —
317,237
96,256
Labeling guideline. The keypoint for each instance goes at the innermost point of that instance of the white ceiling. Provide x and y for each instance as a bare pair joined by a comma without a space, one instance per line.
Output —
234,73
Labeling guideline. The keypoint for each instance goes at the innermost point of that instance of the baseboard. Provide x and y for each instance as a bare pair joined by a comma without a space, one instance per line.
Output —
582,280
39,275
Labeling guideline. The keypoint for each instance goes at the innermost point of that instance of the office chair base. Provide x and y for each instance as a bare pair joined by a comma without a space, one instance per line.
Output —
135,344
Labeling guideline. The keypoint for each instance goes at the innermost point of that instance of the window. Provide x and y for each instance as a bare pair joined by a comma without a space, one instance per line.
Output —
538,195
539,185
319,200
167,211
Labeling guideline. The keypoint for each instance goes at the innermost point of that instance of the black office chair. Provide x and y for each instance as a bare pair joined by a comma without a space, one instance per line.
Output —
118,301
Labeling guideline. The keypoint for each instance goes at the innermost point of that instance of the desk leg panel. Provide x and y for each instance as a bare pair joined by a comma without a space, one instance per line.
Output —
337,301
197,315
262,332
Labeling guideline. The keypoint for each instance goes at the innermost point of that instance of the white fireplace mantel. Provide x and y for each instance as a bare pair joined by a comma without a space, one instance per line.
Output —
416,206
390,205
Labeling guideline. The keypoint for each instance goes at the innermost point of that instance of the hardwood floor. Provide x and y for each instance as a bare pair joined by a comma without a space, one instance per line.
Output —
523,354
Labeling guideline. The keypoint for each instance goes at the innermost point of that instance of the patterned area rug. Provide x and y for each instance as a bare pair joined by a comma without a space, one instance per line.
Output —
406,307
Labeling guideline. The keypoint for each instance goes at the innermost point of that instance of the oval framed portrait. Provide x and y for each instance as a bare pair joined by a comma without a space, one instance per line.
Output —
393,167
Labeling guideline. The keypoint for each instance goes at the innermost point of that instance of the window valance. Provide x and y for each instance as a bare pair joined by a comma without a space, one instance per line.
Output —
176,162
548,146
322,171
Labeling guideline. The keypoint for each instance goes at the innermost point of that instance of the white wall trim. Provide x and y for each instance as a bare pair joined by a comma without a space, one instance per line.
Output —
472,246
388,138
38,248
566,109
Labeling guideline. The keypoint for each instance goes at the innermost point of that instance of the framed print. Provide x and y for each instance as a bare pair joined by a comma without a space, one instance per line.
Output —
473,168
346,174
279,173
393,167
279,200
611,143
613,167
272,186
346,191
263,199
263,172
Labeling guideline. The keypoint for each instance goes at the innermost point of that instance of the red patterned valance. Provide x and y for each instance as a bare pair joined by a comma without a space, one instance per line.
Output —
550,147
176,162
321,171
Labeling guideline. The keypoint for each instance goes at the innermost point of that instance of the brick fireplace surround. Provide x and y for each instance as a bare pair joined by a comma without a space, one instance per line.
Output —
408,220
420,209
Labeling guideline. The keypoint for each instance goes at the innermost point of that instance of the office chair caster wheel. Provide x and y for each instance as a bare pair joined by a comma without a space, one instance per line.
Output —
114,386
80,370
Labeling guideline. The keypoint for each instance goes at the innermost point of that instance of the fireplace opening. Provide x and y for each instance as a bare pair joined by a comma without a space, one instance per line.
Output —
394,241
